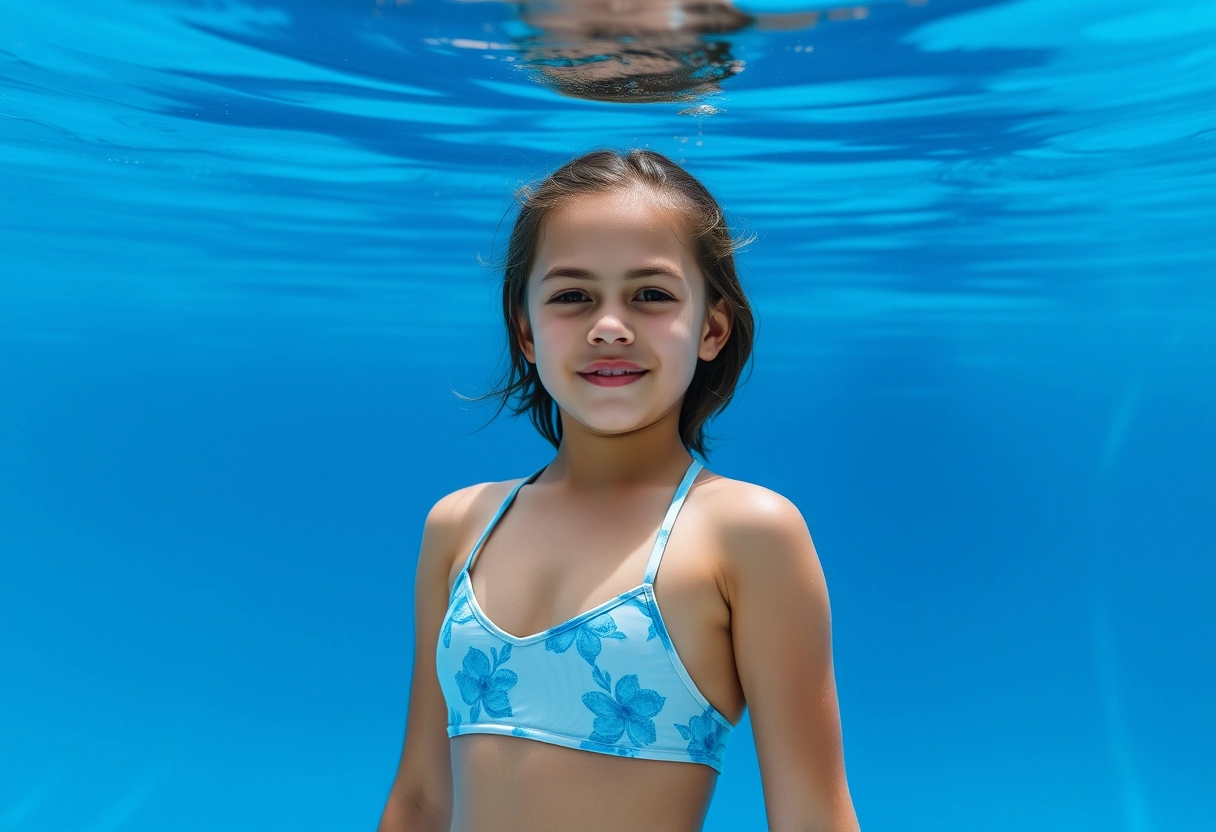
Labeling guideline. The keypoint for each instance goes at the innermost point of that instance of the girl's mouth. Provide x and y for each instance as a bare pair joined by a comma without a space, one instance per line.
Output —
613,378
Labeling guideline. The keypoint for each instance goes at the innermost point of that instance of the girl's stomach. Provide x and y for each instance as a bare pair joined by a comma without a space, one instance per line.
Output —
501,784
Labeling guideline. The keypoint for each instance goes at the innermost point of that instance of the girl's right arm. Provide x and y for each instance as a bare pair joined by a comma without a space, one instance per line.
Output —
421,796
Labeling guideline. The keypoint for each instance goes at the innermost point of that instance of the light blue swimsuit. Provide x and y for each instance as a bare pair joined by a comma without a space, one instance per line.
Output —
608,680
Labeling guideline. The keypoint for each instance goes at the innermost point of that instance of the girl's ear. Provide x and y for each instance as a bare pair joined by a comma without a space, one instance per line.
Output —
715,331
526,344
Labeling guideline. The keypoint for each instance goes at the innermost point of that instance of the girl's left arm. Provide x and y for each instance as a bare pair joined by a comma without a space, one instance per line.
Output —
782,636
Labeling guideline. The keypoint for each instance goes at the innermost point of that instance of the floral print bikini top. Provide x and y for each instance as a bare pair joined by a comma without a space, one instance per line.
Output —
608,680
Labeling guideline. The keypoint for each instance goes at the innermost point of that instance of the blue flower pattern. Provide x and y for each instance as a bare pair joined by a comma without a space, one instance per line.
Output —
460,615
482,684
632,712
705,737
655,631
623,720
588,636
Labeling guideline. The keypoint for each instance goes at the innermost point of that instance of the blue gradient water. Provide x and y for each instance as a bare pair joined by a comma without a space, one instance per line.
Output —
239,281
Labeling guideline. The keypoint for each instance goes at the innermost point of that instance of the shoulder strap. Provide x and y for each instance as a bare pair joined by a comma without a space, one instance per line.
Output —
660,543
498,515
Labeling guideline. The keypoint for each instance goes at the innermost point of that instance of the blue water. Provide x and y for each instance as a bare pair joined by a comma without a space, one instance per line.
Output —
240,281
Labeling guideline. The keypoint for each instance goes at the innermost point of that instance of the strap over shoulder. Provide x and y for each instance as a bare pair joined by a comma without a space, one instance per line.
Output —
677,502
497,516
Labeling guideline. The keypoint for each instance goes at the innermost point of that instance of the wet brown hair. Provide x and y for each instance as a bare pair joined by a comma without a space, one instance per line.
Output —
609,54
713,382
634,71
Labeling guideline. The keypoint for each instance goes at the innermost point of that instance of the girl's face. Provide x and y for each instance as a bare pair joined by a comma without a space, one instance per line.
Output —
617,311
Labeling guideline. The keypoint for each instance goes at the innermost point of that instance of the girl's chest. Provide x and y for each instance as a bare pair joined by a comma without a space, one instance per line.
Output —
544,568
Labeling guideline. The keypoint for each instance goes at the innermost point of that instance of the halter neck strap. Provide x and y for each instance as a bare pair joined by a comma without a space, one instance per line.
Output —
677,502
497,516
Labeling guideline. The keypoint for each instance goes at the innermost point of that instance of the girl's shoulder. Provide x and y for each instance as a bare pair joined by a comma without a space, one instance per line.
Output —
738,509
742,504
457,519
750,521
457,509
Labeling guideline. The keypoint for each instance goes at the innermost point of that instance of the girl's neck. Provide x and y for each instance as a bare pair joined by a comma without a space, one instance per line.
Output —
651,454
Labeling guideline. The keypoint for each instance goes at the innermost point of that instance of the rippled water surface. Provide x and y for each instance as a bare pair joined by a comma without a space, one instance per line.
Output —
246,256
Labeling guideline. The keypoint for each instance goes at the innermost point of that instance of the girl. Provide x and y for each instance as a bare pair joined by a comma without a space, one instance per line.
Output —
562,679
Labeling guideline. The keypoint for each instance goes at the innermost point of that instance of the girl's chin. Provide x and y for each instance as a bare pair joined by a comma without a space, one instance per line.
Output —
598,423
614,428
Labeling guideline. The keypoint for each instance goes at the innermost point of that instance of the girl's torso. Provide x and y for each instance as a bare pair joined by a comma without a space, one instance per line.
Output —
548,560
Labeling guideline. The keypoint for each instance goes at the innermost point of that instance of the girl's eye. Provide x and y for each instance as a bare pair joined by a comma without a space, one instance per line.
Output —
576,296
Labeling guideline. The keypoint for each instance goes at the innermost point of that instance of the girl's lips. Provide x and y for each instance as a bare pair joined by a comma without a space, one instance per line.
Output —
603,380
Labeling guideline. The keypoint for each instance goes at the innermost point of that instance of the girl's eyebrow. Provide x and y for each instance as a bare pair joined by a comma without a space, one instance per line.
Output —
657,269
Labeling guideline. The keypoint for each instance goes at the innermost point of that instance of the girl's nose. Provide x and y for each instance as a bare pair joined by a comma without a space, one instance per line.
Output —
609,329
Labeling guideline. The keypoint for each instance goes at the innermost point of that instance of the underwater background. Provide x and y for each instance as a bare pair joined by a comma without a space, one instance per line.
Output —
246,260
